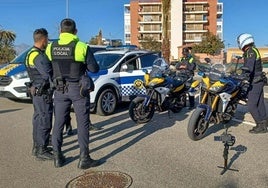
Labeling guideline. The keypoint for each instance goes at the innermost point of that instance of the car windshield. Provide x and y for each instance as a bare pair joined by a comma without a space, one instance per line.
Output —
106,61
20,59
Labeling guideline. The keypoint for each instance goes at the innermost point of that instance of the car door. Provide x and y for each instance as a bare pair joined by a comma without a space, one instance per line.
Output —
132,75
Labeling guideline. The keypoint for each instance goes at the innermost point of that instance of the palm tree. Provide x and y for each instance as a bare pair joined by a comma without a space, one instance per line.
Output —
165,35
7,37
7,51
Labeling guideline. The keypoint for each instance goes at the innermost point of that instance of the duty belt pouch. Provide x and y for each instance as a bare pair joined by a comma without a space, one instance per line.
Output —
86,86
60,84
28,91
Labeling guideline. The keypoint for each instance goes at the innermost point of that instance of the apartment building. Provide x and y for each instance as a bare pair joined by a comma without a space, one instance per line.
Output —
188,21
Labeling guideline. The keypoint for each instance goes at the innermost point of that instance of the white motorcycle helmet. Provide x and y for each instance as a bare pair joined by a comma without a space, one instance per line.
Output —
244,39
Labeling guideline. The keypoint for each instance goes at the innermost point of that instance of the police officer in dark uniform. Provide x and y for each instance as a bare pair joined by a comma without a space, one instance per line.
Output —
252,60
71,59
40,71
187,62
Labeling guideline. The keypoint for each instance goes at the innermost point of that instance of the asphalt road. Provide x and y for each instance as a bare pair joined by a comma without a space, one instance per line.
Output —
158,154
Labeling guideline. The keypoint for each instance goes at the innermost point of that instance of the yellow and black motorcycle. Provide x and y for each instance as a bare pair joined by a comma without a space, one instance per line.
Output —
220,93
165,90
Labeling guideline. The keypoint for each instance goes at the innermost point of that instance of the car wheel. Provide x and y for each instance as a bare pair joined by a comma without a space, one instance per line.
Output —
106,102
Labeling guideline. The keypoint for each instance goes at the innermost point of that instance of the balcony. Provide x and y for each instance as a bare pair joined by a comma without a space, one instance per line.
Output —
195,31
220,8
195,21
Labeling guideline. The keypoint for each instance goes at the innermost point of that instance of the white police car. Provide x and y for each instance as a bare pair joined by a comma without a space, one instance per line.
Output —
13,76
121,73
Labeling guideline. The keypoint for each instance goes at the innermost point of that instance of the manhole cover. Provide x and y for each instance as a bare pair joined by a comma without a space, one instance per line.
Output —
101,179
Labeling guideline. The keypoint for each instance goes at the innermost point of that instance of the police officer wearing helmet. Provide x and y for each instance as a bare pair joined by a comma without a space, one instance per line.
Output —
71,59
252,60
40,71
187,62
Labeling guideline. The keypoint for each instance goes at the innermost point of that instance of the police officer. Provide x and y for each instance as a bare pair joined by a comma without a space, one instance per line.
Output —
252,60
187,62
71,59
40,71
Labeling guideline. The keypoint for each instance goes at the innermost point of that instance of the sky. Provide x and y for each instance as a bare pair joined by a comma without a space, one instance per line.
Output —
91,16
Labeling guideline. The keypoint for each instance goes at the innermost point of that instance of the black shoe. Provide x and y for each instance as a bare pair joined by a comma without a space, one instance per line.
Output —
86,162
59,159
94,128
260,128
43,153
257,130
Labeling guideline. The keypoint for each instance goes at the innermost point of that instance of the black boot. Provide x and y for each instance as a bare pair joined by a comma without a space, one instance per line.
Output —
59,159
261,127
85,161
43,153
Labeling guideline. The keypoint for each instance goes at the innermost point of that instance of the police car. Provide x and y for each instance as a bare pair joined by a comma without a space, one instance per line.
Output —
119,80
120,77
13,76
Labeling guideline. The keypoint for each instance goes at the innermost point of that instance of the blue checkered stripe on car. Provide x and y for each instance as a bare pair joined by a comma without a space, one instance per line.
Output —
129,90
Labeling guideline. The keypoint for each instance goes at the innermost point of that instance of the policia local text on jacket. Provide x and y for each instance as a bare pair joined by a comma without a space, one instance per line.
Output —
71,59
40,71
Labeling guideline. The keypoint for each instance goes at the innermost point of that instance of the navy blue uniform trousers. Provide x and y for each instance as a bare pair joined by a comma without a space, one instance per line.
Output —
256,105
62,104
42,120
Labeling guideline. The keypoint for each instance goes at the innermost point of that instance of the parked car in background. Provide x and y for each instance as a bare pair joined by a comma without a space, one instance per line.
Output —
13,76
122,69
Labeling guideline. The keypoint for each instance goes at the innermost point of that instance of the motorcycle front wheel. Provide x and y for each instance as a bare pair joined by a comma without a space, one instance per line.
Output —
140,113
197,126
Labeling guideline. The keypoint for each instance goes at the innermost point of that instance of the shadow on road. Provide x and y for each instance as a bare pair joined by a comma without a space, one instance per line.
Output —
11,110
135,132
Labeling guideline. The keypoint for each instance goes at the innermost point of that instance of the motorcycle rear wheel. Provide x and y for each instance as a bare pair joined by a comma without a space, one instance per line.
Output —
140,113
197,126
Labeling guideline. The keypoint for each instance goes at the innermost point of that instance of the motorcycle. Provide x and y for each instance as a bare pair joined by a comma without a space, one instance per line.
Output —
220,93
166,90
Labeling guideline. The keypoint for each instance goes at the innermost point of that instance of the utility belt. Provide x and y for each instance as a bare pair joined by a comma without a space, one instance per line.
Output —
86,85
260,78
61,84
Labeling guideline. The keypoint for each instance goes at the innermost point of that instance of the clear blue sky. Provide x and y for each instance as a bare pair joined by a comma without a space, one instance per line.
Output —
24,16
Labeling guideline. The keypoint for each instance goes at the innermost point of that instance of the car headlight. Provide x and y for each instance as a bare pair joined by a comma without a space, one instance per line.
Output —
21,75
